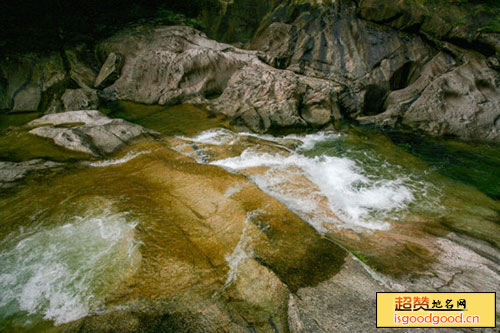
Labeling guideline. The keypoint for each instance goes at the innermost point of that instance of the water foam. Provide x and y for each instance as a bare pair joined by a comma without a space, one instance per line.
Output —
61,273
351,195
362,190
242,251
128,157
216,137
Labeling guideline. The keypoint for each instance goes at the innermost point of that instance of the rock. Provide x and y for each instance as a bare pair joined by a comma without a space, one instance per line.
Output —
346,302
80,72
90,132
267,99
449,99
331,42
30,82
230,22
332,59
442,21
110,71
172,65
12,172
393,50
211,262
80,99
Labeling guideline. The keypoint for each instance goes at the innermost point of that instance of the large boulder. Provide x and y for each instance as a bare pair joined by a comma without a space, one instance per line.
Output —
89,132
269,99
171,65
80,99
30,82
448,99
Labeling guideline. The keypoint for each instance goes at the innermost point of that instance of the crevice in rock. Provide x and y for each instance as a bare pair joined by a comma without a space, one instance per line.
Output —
484,85
53,93
373,102
212,94
483,48
496,122
450,281
273,325
400,77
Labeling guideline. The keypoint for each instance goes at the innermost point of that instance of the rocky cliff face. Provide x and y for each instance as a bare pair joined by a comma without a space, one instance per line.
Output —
173,65
429,66
400,63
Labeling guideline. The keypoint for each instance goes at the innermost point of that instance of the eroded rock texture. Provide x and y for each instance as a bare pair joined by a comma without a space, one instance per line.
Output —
430,66
37,82
405,63
173,65
28,82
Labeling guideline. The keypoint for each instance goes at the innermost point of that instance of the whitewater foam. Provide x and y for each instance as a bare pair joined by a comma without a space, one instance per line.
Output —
128,157
216,137
362,190
61,273
352,196
242,251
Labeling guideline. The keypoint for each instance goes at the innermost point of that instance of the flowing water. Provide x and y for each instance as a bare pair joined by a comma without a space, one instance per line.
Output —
104,233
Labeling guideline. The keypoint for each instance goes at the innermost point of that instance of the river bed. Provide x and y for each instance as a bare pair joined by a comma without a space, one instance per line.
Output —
204,220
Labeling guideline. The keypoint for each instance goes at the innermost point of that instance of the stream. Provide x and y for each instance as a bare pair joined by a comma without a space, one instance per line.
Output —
184,218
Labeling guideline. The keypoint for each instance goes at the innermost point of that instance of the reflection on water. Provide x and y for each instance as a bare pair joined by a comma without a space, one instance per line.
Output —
475,164
16,119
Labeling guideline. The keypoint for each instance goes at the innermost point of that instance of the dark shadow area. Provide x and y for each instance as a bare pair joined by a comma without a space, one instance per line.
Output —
33,25
400,78
467,162
374,100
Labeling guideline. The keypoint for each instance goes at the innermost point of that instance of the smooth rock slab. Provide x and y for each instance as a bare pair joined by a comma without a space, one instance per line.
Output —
11,172
89,132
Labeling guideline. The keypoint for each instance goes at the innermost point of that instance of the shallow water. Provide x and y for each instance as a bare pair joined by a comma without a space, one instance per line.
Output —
104,233
183,119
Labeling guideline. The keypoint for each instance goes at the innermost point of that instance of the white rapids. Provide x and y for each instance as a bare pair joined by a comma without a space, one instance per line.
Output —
58,273
357,196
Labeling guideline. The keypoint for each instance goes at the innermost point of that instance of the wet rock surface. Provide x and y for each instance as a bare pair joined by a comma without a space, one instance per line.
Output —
219,252
88,132
240,247
11,172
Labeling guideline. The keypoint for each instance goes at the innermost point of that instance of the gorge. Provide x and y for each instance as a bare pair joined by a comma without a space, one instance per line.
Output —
250,166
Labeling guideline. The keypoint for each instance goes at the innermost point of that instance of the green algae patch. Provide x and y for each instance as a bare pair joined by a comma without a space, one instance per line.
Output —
185,119
17,145
16,119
